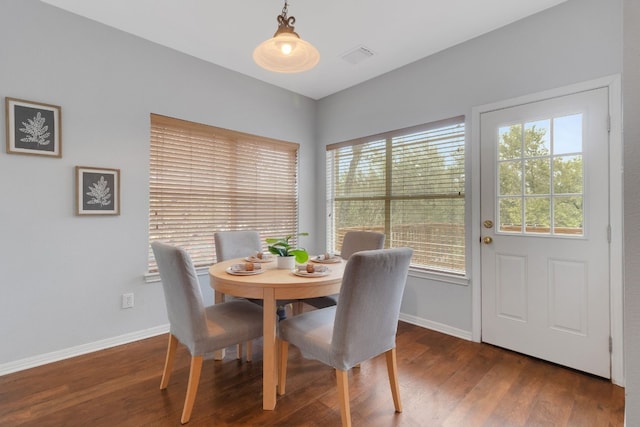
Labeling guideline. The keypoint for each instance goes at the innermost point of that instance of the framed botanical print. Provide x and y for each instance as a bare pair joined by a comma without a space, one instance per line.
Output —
97,191
33,128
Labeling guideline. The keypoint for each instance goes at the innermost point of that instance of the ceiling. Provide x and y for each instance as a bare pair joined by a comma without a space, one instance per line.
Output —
226,32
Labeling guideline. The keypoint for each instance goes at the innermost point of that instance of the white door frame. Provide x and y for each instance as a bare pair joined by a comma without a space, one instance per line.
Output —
613,83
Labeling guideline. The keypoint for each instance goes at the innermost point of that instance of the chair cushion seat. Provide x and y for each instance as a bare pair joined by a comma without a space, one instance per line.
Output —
227,324
311,332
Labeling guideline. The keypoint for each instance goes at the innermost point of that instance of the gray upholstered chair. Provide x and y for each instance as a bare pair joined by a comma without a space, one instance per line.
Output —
201,329
362,325
356,241
353,241
236,244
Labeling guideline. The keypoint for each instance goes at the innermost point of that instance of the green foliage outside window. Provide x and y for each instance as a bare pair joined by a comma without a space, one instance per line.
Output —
537,186
409,186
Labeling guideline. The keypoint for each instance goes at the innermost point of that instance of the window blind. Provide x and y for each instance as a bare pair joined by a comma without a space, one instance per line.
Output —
409,184
205,179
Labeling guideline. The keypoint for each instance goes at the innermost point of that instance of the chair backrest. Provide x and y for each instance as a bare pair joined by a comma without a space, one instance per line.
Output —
356,241
367,313
182,294
236,244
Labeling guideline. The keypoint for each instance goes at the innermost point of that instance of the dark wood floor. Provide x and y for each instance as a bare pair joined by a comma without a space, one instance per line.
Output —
444,381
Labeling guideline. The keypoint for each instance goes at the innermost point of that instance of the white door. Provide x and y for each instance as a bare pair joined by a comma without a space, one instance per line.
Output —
545,230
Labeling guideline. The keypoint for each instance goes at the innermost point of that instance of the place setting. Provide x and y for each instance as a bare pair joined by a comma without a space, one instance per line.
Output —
311,270
260,257
245,269
326,258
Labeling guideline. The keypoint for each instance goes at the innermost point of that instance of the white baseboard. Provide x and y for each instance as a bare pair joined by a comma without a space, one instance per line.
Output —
54,356
435,326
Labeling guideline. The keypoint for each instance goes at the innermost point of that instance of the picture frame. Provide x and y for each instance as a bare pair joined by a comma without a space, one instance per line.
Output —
33,128
97,191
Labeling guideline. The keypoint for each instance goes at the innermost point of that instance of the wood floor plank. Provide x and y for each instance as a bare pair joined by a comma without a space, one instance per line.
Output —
487,395
444,381
517,404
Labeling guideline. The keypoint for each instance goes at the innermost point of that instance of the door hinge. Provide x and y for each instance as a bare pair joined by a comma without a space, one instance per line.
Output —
609,123
609,233
610,344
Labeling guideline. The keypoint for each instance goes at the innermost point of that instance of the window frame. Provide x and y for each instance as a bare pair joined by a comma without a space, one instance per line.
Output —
458,276
225,169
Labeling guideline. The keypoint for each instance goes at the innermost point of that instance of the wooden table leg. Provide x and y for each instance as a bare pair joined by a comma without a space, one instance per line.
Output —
218,298
269,348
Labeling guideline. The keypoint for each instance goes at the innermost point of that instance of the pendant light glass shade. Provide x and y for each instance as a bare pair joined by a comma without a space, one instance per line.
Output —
286,52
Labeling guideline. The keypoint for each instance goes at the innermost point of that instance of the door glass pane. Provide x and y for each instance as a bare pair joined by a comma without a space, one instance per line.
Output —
567,215
536,138
510,178
537,215
567,175
537,176
510,214
567,134
510,142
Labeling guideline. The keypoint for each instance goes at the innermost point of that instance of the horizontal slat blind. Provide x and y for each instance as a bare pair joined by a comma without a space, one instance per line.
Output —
407,183
205,179
361,170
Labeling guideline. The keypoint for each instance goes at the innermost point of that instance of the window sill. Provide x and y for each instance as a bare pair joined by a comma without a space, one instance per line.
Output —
154,277
151,277
439,277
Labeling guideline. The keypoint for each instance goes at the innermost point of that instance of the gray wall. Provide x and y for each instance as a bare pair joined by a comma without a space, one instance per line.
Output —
631,104
576,41
62,275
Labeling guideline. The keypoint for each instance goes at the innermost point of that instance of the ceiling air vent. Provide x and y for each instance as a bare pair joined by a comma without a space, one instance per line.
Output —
357,55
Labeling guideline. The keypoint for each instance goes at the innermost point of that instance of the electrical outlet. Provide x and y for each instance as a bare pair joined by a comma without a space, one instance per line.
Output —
127,300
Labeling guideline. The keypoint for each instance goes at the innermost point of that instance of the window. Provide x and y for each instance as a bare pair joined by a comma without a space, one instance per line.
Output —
205,179
408,184
541,177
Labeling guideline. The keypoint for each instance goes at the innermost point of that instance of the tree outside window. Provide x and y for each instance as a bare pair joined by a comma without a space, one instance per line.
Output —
408,184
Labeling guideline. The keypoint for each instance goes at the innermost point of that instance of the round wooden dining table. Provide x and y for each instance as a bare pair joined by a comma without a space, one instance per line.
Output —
271,285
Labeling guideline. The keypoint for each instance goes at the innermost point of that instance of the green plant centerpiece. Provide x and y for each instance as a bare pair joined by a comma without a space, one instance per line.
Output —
280,246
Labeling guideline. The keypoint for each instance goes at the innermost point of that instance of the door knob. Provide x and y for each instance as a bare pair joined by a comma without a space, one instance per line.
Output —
487,240
488,223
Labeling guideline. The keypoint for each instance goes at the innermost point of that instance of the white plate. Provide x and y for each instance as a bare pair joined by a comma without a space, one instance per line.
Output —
314,274
265,258
230,270
333,260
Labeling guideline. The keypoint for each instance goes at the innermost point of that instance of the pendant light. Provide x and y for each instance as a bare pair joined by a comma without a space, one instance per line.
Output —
286,52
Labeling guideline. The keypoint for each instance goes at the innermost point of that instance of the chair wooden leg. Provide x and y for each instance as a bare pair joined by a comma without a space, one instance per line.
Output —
282,371
168,363
192,387
249,350
297,307
343,395
218,298
239,350
392,368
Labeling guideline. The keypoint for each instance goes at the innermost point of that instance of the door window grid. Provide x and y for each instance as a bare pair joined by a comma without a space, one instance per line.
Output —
540,177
